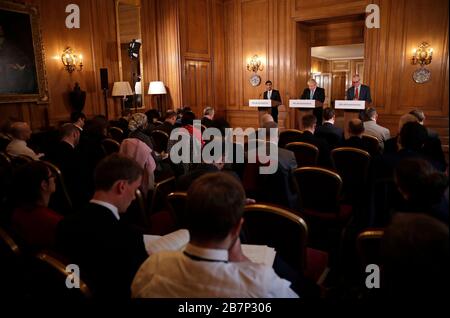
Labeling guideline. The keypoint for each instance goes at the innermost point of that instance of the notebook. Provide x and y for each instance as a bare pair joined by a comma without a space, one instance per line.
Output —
260,254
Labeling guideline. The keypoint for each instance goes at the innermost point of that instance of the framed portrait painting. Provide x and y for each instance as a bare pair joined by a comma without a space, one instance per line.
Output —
22,71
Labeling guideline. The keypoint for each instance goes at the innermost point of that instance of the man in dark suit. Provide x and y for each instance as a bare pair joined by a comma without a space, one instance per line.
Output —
67,158
355,131
309,125
108,251
328,131
359,91
208,116
169,122
318,94
274,95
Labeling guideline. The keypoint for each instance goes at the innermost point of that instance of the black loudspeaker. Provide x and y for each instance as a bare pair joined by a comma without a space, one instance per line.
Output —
104,78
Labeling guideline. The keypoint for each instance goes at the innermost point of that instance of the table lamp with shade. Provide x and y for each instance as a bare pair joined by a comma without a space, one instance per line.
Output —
122,89
157,88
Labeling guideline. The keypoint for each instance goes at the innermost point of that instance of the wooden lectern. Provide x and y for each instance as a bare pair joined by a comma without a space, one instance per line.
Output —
267,104
305,107
351,108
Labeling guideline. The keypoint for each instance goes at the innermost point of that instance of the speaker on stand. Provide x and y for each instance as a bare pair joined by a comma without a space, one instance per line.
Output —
104,86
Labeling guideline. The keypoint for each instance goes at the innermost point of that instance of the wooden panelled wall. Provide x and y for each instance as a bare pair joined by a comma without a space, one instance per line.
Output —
268,28
200,48
95,39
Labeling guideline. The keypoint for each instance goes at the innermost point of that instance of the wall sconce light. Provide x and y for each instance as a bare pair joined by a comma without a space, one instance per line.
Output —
254,65
422,56
71,60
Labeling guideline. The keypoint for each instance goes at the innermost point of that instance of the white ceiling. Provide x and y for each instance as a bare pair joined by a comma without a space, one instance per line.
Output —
351,51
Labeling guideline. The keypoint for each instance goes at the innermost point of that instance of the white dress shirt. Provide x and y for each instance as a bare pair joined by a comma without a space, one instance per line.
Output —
206,273
109,206
19,147
269,94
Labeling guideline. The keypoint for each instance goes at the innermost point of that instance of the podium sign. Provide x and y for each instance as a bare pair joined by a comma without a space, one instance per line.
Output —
350,104
259,103
302,103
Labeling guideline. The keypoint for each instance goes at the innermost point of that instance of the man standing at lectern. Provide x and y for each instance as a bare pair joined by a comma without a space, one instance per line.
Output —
359,91
274,95
318,94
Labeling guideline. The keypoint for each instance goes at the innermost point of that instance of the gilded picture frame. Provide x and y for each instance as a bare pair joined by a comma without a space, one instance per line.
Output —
22,59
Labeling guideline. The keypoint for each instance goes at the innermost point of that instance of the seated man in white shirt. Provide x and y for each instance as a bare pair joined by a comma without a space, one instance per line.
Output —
21,132
212,264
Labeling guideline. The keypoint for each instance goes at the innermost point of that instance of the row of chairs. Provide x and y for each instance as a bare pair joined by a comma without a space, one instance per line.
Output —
116,136
9,163
33,275
294,135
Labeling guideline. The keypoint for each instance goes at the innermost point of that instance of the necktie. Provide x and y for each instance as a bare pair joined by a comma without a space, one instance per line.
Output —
269,93
311,94
356,93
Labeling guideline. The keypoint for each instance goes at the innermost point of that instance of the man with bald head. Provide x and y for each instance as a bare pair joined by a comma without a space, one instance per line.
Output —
355,130
21,132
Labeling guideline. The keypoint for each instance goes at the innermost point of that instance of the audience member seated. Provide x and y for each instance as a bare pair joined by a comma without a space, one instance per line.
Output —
355,131
78,119
122,122
208,116
32,220
212,264
142,154
309,126
415,261
433,145
278,188
328,131
108,251
90,149
66,157
180,113
137,126
169,122
391,145
411,142
372,128
21,132
422,188
153,116
195,139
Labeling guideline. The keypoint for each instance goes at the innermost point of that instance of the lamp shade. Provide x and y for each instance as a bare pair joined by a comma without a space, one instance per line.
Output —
156,88
121,89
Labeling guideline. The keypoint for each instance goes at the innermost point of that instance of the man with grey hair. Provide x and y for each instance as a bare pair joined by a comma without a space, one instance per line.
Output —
318,94
372,128
359,91
208,116
21,132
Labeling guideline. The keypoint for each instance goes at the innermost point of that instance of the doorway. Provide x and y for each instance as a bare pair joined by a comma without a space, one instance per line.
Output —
329,50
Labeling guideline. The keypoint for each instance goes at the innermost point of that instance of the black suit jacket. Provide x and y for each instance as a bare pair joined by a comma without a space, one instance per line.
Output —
108,251
207,122
332,134
324,148
68,160
364,93
166,127
274,96
355,142
319,94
